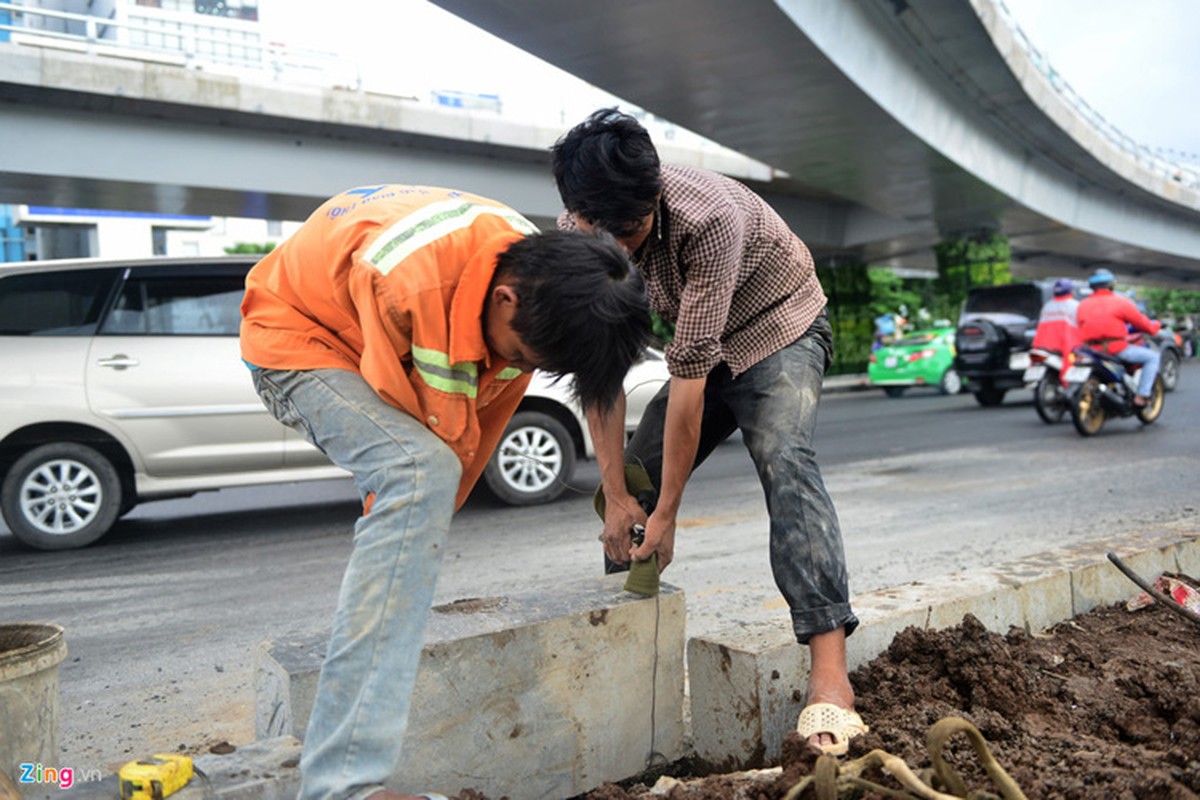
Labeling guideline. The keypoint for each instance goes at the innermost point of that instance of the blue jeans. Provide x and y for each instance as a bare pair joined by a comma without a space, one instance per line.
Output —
361,709
1149,359
774,404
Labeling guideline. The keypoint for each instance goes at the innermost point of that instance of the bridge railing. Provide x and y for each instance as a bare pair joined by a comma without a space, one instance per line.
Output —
1178,170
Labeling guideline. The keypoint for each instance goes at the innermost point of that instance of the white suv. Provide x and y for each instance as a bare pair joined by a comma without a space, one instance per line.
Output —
121,382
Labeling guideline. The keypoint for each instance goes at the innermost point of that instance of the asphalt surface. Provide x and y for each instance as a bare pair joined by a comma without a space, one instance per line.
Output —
164,614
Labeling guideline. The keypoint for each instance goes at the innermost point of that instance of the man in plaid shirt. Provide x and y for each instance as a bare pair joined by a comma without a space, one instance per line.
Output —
751,346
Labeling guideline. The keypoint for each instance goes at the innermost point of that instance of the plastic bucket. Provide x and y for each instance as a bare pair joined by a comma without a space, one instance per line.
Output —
30,653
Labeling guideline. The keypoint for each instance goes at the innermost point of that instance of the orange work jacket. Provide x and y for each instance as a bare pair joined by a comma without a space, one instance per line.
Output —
390,281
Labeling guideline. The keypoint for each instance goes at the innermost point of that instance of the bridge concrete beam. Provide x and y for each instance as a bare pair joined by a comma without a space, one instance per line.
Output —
77,157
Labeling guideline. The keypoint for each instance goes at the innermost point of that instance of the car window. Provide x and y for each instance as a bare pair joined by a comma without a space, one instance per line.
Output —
1022,299
177,305
916,340
55,303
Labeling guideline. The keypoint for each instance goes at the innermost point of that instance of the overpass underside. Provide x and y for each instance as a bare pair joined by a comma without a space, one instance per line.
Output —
907,115
896,124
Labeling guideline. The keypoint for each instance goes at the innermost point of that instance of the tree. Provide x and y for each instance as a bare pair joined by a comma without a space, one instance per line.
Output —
1171,302
890,292
982,259
250,248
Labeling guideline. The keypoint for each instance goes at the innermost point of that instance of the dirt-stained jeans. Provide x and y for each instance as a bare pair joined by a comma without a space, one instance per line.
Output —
774,404
361,709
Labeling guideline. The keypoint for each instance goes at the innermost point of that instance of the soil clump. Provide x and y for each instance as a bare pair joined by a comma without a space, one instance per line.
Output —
1106,705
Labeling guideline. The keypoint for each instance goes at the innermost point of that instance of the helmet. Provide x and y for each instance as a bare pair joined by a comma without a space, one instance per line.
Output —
1063,286
1100,279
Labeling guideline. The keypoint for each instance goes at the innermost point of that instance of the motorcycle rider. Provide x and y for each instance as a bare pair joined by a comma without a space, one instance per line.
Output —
1103,317
1057,328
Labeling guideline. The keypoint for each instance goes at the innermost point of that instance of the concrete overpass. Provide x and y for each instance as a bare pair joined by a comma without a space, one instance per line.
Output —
930,113
897,123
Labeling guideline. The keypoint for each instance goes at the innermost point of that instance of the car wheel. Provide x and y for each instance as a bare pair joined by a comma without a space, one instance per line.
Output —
1168,370
894,391
950,382
533,462
989,396
59,496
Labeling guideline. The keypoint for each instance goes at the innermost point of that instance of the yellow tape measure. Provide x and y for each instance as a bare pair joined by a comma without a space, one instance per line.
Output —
155,778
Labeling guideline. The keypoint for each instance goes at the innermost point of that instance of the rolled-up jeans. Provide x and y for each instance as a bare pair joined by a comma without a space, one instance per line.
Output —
353,740
1149,359
774,404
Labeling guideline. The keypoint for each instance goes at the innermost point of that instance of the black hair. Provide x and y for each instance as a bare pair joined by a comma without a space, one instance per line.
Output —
581,307
608,171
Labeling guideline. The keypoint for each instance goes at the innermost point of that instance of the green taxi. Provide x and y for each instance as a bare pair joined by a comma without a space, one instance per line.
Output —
919,358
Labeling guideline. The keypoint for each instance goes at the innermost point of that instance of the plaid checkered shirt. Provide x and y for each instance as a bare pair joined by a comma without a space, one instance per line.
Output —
727,270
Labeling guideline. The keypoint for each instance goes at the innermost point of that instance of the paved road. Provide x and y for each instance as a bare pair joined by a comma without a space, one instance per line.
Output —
163,614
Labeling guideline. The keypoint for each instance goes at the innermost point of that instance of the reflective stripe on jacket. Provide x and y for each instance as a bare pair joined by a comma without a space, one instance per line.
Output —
390,281
1056,328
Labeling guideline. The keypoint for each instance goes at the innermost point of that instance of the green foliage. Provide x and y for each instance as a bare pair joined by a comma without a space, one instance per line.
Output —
858,294
936,302
1171,302
661,331
846,284
849,288
852,330
890,292
250,248
979,260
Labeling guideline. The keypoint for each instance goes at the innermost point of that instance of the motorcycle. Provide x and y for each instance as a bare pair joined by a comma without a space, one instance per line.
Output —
1050,399
1102,386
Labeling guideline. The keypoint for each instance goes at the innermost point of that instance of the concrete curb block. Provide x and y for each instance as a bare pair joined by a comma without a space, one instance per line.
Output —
571,687
747,683
540,695
840,384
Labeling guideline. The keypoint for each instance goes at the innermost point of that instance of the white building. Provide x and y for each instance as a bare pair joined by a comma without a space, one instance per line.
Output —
228,37
223,34
48,232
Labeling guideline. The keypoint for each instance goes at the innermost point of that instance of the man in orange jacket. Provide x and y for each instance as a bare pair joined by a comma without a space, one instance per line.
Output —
396,330
1104,322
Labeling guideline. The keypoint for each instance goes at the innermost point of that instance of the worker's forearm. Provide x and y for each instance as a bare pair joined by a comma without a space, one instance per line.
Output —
608,442
681,437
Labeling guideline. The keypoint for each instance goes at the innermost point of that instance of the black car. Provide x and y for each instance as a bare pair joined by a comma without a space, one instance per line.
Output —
995,330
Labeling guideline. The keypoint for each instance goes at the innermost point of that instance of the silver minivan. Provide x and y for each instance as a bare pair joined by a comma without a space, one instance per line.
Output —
122,382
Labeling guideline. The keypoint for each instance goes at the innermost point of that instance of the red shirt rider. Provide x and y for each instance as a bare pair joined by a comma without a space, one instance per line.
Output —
1103,317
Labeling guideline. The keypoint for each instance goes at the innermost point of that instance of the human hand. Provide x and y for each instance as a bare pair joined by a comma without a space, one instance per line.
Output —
659,538
620,515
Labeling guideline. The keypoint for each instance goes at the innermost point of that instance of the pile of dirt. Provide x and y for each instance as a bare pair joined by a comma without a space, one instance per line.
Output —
1106,705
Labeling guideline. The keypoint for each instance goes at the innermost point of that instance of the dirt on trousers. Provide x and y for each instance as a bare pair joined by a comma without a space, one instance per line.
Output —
1106,705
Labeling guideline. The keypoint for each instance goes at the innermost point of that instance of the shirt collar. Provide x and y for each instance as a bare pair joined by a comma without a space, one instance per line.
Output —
467,342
